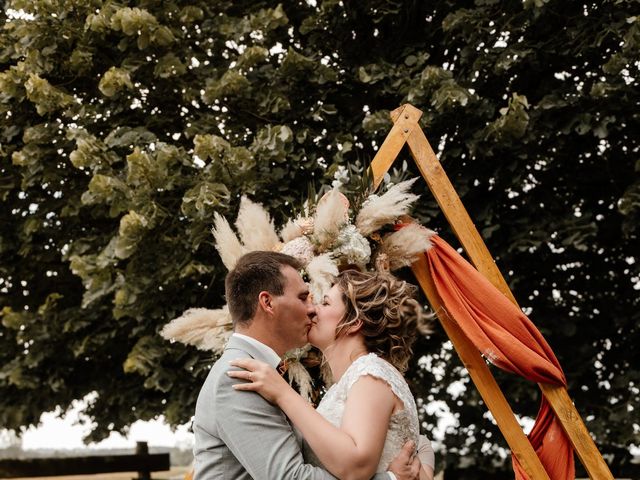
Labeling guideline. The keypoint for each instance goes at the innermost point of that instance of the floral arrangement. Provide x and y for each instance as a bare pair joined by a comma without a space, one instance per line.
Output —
329,238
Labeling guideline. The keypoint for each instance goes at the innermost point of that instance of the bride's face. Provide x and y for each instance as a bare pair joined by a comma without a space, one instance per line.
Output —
328,315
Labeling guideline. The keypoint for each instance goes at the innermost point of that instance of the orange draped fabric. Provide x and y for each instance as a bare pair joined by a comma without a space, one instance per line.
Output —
509,340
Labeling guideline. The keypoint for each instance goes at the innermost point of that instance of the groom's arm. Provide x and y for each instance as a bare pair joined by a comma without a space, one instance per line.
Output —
260,437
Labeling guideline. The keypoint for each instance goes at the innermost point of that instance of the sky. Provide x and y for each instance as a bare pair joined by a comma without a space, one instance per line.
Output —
66,433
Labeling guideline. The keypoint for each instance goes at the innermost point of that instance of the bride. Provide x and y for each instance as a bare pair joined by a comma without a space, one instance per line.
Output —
365,327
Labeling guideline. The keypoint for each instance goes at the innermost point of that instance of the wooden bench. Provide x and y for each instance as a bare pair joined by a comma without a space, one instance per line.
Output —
141,461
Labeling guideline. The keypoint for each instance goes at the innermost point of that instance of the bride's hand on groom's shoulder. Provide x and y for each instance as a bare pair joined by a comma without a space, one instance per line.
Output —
260,377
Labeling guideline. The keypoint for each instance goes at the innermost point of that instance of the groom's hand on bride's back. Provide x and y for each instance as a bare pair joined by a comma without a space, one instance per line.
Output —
406,465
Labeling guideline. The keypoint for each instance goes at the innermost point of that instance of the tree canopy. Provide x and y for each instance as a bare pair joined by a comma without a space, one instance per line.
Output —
126,125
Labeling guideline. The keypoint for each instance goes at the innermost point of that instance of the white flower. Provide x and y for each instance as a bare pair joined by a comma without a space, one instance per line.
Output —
340,177
300,248
370,199
352,246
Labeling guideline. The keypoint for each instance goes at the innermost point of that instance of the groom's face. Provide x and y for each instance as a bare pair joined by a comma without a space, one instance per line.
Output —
294,309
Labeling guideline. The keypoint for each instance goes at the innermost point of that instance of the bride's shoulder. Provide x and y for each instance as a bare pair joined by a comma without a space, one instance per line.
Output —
366,361
371,364
372,360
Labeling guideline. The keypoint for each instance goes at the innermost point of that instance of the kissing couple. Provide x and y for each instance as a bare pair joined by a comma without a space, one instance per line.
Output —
250,424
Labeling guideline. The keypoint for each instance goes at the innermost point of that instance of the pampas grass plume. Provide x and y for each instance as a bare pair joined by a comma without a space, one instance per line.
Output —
200,327
255,227
322,271
298,374
406,245
216,339
290,231
332,213
227,242
379,211
326,374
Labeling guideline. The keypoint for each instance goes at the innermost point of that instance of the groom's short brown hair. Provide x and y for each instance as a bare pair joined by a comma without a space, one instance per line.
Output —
255,272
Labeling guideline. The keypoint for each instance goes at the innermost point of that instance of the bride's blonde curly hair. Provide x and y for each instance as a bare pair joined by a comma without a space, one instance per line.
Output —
389,313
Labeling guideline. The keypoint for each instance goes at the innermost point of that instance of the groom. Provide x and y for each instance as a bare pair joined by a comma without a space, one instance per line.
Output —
239,435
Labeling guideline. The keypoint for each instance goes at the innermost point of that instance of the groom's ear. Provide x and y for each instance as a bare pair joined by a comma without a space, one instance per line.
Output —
265,302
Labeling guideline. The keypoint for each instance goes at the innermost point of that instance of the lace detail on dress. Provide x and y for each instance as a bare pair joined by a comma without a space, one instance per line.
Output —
403,425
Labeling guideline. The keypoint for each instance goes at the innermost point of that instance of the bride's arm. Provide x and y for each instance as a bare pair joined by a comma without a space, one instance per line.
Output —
353,450
350,452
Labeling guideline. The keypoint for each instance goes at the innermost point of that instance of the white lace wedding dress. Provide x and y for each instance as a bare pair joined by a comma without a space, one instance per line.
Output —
403,425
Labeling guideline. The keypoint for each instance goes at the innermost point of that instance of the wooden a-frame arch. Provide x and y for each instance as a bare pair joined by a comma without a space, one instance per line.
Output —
407,130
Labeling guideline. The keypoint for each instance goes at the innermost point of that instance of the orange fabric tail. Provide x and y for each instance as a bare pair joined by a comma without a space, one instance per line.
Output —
509,340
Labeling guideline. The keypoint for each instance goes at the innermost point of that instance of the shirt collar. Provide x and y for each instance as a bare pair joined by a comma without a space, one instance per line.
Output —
272,357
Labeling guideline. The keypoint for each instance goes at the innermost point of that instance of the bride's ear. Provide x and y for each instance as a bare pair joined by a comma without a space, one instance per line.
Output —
355,327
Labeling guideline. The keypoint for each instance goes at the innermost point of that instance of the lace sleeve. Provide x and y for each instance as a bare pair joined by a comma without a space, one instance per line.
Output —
376,367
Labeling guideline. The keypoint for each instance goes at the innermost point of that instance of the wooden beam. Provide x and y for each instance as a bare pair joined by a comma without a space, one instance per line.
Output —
406,120
482,378
479,255
450,204
471,358
576,430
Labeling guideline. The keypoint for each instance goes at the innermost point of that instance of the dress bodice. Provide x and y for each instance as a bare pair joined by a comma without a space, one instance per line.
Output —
403,425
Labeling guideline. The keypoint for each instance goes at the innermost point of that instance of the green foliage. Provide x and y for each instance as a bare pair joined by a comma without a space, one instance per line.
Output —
126,126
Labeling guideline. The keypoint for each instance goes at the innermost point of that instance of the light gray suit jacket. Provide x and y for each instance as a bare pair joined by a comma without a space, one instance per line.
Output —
241,436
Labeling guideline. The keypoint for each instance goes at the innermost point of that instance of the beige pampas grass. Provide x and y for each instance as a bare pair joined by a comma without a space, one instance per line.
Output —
406,245
332,212
255,227
216,339
378,211
296,228
298,374
290,231
227,242
205,329
322,272
326,374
